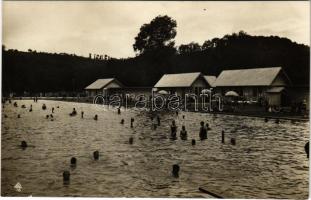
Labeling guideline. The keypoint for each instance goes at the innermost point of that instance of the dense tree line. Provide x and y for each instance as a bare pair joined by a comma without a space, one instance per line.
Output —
44,72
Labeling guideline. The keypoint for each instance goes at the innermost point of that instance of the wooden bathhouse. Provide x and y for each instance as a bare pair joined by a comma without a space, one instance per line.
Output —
184,83
106,86
258,84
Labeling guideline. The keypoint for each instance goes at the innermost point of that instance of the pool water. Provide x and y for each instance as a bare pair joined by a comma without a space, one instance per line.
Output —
268,160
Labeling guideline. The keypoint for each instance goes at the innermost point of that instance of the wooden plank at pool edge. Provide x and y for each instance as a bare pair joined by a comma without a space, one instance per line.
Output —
212,193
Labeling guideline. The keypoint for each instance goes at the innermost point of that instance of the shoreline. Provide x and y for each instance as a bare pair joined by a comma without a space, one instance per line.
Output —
246,114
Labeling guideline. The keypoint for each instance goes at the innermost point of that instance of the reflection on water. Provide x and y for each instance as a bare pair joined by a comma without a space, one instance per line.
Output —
268,160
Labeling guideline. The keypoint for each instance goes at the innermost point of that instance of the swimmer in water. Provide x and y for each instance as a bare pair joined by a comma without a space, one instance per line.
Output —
74,112
159,120
24,144
203,132
183,133
73,162
132,121
96,155
307,149
119,111
175,170
173,130
153,124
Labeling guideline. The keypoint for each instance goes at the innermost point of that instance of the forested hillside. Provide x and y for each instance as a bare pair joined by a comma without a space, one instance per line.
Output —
43,72
157,54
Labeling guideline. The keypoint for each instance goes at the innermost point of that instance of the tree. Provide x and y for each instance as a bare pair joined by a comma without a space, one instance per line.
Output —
242,33
207,45
158,34
189,48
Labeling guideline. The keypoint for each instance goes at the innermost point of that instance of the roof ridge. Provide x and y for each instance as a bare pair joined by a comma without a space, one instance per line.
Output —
100,81
251,68
104,78
183,73
178,80
248,77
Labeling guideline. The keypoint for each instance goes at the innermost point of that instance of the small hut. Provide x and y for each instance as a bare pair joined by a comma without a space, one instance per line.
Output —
104,87
184,83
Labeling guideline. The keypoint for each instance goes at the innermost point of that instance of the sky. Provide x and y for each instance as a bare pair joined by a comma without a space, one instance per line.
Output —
106,27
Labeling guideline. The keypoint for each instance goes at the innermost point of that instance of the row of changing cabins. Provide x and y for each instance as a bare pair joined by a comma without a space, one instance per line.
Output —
257,84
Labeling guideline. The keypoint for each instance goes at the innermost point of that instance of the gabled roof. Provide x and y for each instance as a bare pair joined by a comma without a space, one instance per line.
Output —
101,83
178,80
248,77
211,80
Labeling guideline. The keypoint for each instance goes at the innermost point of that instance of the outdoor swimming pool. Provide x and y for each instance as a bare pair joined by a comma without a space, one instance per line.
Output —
268,160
